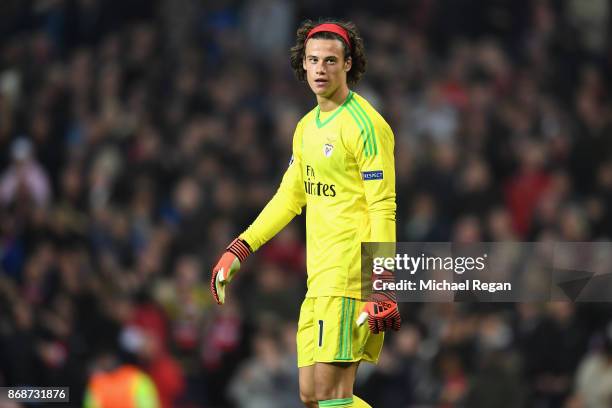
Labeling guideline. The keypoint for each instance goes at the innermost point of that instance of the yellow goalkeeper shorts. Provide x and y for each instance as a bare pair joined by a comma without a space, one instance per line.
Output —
328,332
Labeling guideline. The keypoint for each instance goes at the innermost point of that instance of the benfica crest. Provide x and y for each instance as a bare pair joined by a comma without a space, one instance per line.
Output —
328,149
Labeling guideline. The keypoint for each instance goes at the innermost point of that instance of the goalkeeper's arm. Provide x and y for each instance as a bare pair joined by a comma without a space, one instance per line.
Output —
280,210
381,309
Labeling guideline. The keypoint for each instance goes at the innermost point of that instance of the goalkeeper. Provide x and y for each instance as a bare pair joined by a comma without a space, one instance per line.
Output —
342,170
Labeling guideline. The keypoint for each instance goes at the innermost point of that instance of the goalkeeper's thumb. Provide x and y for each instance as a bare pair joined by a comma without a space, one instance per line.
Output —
226,268
228,265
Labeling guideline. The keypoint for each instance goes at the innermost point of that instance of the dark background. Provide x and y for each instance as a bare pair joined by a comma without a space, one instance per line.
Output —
137,138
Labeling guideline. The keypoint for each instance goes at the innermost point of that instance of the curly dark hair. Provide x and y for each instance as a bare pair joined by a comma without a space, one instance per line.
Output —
356,52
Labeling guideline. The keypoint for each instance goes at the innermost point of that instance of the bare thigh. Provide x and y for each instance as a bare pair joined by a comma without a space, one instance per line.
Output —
334,380
307,386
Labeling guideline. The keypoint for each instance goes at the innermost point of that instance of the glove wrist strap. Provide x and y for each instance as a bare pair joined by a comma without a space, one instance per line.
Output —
240,248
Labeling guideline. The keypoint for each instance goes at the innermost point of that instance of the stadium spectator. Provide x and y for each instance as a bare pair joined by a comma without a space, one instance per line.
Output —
25,181
594,376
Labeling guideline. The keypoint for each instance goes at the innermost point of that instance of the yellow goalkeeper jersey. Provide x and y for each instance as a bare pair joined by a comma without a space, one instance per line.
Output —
343,171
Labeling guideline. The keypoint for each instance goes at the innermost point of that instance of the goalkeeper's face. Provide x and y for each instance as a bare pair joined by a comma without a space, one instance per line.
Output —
325,66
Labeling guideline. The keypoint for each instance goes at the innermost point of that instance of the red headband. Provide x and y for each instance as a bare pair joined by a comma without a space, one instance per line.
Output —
330,28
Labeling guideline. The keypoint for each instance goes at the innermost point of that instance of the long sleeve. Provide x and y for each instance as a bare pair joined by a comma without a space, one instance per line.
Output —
286,203
373,151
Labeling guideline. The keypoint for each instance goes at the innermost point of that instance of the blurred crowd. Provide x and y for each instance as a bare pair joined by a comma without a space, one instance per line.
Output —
137,138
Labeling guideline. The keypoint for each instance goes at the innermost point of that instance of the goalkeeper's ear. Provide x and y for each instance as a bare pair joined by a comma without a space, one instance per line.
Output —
348,64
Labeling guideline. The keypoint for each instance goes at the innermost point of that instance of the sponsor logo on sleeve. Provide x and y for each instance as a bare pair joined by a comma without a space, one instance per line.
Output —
372,175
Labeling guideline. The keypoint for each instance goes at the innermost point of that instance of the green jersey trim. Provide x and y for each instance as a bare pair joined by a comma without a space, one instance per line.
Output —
365,134
326,121
340,353
368,124
345,346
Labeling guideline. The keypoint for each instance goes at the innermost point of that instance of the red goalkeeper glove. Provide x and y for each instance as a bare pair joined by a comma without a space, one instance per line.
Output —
381,310
227,266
